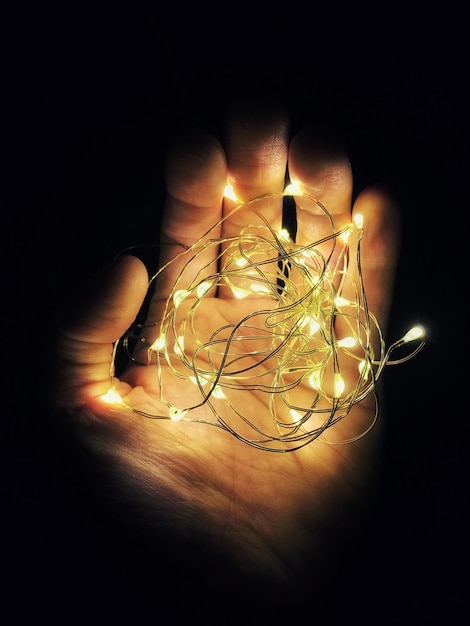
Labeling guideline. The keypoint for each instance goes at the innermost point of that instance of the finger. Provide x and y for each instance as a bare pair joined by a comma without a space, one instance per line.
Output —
319,163
372,271
380,248
102,314
257,149
196,175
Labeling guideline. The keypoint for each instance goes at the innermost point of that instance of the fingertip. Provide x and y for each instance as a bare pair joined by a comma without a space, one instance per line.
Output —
257,137
382,226
196,168
131,269
319,160
104,307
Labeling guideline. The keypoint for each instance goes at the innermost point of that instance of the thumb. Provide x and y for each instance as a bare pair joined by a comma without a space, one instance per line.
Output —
100,315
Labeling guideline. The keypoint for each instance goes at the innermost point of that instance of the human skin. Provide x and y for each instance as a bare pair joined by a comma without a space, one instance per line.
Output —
271,518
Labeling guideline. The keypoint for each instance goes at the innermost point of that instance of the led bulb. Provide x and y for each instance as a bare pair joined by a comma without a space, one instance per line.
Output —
218,392
176,414
296,415
345,235
339,385
179,296
179,346
203,288
417,332
347,342
112,397
229,193
359,220
159,343
314,379
283,235
293,189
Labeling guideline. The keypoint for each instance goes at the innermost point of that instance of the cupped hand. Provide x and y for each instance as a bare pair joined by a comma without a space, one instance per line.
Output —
269,515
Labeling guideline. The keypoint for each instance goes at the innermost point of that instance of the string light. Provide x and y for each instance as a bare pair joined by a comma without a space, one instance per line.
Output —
303,342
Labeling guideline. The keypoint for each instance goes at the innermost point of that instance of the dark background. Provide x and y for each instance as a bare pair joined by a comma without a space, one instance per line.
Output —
92,96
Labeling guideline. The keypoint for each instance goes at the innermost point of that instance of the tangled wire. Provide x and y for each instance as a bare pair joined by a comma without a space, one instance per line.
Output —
298,334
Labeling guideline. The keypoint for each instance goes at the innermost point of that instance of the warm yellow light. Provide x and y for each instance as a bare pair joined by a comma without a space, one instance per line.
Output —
345,235
261,289
112,397
203,288
347,342
229,193
239,293
417,332
293,189
338,385
176,414
312,323
315,379
283,234
198,381
359,220
218,392
179,345
296,415
179,296
159,343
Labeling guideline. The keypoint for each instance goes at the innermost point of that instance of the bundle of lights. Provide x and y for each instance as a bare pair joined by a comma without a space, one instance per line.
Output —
298,348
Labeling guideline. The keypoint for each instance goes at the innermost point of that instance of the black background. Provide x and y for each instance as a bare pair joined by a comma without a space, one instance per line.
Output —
92,95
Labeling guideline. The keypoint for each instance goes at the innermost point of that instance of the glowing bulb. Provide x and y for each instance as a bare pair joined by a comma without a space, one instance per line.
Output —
179,346
241,262
417,332
159,343
179,296
296,415
239,293
338,385
283,235
313,324
293,189
347,342
229,193
203,288
345,235
218,392
364,367
257,288
314,379
198,381
340,301
112,397
359,221
176,414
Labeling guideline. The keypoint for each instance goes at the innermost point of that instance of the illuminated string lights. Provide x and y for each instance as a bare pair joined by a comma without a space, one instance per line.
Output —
259,313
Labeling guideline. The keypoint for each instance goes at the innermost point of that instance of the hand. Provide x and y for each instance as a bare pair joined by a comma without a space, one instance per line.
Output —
269,516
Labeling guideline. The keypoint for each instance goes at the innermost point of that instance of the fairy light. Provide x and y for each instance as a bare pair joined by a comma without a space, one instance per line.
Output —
283,347
339,385
229,193
112,397
417,332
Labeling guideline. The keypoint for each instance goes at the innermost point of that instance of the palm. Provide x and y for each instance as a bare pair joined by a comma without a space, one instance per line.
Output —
250,499
271,497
